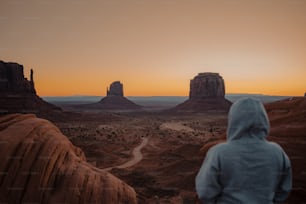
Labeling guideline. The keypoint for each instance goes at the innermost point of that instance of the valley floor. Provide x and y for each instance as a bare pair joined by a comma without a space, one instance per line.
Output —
170,155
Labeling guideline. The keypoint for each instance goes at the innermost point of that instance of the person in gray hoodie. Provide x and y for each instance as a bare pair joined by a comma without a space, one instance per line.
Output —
246,168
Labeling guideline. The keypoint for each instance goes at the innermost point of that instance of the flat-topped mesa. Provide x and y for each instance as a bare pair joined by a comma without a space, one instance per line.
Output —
207,84
207,93
115,89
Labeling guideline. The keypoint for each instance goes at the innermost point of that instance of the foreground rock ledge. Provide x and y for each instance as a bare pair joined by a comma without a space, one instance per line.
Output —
40,165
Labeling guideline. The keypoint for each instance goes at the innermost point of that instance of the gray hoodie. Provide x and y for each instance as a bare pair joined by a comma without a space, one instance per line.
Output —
247,168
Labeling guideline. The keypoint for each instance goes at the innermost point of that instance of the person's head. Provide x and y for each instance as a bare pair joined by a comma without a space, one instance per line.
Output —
247,120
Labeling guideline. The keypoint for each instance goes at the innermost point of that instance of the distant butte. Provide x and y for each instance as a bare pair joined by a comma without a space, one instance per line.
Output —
116,89
207,91
17,93
114,100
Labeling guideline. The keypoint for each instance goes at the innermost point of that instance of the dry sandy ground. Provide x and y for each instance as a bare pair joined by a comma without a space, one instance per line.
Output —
137,156
177,126
157,154
162,167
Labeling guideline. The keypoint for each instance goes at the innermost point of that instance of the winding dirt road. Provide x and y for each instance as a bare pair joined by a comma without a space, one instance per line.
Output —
137,156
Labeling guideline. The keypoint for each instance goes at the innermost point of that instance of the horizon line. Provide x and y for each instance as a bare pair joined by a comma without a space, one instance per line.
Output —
84,95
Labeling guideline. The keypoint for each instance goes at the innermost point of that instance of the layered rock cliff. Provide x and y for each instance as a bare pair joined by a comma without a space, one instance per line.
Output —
17,93
207,91
40,165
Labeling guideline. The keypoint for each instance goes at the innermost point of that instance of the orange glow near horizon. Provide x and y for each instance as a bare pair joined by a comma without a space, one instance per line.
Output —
155,47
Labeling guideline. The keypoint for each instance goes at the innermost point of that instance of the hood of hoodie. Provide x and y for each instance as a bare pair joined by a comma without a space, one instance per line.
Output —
247,121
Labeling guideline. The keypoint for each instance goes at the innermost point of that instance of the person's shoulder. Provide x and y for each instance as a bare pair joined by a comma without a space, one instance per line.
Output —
220,147
274,146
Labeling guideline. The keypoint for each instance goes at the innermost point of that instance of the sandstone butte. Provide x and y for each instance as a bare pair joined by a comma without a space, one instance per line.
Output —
40,165
207,93
17,93
114,100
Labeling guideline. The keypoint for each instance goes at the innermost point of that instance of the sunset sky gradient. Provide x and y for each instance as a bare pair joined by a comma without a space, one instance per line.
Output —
154,47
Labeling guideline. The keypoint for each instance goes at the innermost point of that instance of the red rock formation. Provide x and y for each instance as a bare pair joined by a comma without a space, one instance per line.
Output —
116,89
207,92
117,102
114,100
207,85
288,128
17,94
12,79
40,165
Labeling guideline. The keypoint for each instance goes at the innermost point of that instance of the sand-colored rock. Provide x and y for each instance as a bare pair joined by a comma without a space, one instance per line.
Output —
40,165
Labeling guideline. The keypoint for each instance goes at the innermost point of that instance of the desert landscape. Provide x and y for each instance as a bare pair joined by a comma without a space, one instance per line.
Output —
176,146
171,154
119,102
155,152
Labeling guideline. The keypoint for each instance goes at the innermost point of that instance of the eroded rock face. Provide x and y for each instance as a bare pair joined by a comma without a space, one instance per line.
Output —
207,91
40,165
115,89
17,93
207,85
12,79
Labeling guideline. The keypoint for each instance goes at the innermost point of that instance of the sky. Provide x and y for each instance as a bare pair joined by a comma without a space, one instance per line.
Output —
154,47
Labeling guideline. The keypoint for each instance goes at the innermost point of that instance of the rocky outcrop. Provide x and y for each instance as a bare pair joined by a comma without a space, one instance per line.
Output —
12,79
17,93
287,119
114,100
115,89
207,85
207,91
118,103
40,165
